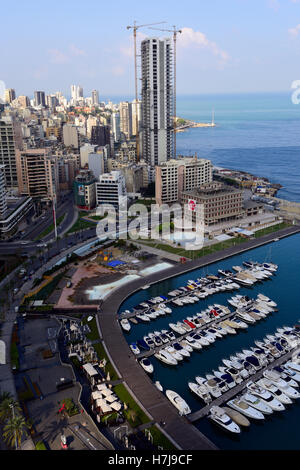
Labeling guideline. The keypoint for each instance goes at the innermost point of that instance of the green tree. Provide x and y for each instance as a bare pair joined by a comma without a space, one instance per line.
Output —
6,406
14,430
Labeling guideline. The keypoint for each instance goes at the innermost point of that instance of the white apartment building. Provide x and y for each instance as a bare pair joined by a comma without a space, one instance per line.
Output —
183,174
157,100
126,118
111,189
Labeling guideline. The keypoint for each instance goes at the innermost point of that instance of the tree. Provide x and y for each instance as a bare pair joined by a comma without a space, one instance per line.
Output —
6,406
14,430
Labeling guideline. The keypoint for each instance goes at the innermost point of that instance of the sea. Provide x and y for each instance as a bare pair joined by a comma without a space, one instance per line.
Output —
258,133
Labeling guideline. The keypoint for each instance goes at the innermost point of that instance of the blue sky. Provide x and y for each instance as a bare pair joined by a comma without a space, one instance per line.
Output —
226,45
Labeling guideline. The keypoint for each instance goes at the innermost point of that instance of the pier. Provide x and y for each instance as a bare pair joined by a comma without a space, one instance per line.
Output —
240,387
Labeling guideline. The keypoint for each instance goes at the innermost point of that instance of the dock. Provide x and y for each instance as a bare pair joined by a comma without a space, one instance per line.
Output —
240,387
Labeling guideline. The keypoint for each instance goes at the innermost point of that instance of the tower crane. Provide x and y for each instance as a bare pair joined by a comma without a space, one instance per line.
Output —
135,27
174,31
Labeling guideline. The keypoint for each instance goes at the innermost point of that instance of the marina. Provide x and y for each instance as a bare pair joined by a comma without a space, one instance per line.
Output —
210,356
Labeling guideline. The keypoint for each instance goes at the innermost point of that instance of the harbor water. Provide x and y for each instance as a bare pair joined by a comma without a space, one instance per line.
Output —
278,431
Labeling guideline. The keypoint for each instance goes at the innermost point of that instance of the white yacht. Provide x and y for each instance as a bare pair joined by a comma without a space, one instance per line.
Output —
178,402
146,365
211,386
143,317
174,353
165,357
265,396
256,403
281,384
240,405
201,391
270,387
218,416
177,327
279,376
267,300
238,366
158,386
203,341
134,348
233,372
125,324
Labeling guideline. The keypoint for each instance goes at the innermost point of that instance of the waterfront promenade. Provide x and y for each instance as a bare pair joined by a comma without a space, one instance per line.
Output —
153,402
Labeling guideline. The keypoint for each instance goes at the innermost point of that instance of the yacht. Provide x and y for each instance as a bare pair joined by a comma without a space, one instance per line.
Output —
134,348
158,386
177,327
141,343
218,416
237,417
208,336
227,378
228,328
203,341
201,391
125,324
178,402
290,372
256,403
174,353
270,387
149,341
252,359
275,379
165,308
142,317
245,316
211,386
146,365
240,405
184,352
293,365
233,372
165,357
265,396
186,345
222,385
283,375
267,300
236,365
191,342
169,334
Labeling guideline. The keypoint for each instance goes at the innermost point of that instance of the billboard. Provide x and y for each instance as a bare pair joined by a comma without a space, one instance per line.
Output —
192,205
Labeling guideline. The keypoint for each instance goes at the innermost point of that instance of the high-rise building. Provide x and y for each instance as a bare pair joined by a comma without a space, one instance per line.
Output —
136,116
3,204
37,173
100,135
10,95
95,97
115,124
126,119
184,174
70,136
76,93
39,98
23,101
111,189
157,100
10,141
84,190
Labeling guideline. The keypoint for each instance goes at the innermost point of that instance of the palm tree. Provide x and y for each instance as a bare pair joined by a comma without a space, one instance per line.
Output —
14,430
6,406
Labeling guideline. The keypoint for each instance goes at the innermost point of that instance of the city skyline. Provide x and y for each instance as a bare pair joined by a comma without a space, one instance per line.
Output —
231,51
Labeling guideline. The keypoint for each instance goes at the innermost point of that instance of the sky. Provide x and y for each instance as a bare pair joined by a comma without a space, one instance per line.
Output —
226,46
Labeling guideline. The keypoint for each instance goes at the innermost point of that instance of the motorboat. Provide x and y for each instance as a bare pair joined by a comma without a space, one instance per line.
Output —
227,378
177,327
174,353
211,386
290,372
245,316
228,328
233,372
208,336
164,338
265,396
158,385
256,403
286,377
237,417
267,300
146,365
201,391
165,308
293,365
189,323
221,330
184,352
178,402
223,386
218,416
252,359
125,324
165,357
186,345
203,341
275,379
149,341
134,348
240,324
141,343
214,332
275,391
170,335
240,405
191,342
142,317
237,366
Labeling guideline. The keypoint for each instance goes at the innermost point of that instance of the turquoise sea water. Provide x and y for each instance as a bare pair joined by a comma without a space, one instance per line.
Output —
278,431
259,133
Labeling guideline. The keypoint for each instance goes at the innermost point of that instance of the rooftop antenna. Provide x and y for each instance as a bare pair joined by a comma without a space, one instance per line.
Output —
135,27
174,31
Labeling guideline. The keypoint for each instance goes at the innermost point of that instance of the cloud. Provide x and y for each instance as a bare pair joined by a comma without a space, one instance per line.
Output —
128,50
75,51
58,57
274,4
189,37
294,32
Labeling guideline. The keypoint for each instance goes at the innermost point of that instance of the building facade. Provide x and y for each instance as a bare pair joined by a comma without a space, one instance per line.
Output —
111,189
84,190
157,100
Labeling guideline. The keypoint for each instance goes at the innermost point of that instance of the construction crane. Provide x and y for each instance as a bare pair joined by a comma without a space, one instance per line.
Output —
174,31
135,27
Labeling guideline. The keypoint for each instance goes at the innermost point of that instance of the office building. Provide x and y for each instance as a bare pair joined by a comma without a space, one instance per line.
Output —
157,100
9,95
115,125
39,98
136,116
96,163
70,136
183,174
95,97
10,141
84,190
100,135
111,189
125,110
3,205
